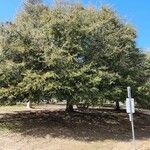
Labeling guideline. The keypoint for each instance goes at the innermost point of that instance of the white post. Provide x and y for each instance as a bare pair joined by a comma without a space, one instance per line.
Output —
131,116
28,105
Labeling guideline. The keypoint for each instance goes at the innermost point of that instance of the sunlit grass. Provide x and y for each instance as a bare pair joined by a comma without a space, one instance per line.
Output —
7,109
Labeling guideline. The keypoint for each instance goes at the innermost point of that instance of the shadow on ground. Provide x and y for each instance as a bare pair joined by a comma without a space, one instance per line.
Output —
92,125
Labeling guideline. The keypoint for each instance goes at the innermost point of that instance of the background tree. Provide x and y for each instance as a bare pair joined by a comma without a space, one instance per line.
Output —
143,91
20,47
70,52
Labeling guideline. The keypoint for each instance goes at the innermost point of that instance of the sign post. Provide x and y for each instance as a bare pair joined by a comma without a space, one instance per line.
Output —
130,110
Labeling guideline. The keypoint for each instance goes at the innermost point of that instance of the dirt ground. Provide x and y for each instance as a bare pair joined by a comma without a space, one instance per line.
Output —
51,128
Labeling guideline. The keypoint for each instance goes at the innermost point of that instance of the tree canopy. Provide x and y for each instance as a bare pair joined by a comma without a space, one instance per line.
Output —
69,52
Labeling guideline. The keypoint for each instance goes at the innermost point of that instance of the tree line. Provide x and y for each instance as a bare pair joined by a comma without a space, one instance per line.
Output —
71,52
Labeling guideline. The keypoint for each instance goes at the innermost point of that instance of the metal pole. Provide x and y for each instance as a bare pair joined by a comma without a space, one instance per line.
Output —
131,117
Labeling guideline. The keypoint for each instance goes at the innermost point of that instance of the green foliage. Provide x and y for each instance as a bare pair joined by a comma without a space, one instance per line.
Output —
144,89
69,52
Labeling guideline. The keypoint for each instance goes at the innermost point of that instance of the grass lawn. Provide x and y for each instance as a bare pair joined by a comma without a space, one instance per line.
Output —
21,107
49,127
11,109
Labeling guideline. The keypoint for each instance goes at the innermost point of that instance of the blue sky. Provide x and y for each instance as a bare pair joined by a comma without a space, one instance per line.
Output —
136,12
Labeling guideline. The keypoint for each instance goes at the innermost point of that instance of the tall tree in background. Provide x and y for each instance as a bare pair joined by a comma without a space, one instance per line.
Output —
21,45
69,52
143,91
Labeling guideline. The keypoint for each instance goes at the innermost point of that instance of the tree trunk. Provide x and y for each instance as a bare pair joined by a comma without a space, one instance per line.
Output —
29,106
117,106
69,107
